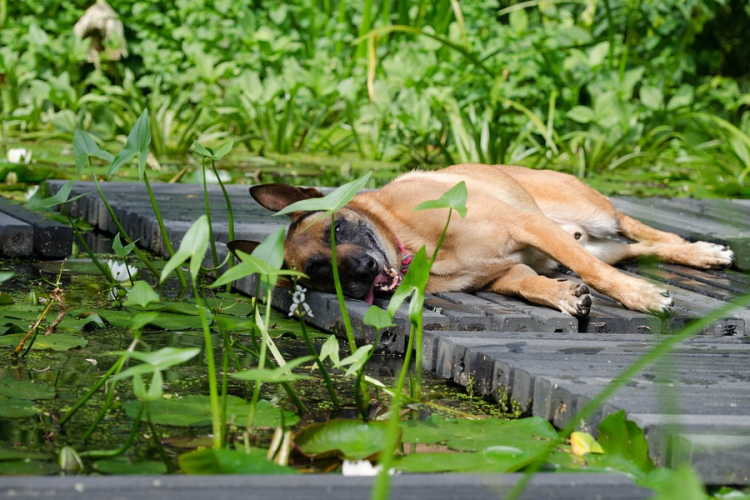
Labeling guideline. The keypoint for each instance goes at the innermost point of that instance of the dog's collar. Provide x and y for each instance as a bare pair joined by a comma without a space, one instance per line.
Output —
406,257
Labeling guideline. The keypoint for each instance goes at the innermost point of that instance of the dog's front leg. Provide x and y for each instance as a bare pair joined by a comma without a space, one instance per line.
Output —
562,294
537,231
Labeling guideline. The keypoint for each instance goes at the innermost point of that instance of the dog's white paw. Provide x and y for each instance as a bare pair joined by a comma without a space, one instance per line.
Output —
640,295
710,255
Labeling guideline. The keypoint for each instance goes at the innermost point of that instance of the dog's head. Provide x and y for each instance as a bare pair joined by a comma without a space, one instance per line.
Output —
369,257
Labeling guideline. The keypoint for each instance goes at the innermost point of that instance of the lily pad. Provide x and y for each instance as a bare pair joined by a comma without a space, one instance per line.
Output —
55,342
230,462
27,468
349,439
122,466
25,389
194,411
16,408
23,455
497,459
474,435
164,321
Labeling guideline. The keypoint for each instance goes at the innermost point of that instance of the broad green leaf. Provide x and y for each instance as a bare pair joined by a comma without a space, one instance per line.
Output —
492,460
230,462
652,97
682,483
7,454
581,114
123,466
223,150
528,434
331,202
55,342
620,436
414,281
84,146
6,299
683,97
136,144
330,349
5,276
163,358
519,20
280,374
349,439
120,250
193,246
25,389
161,321
62,196
250,265
201,150
196,411
356,360
583,443
271,249
455,198
141,295
16,408
378,318
28,468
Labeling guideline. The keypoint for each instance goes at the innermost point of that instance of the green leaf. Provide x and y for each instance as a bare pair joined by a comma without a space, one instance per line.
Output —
581,114
528,434
271,249
202,151
492,460
141,295
519,20
349,439
619,436
230,462
355,361
250,265
280,374
136,144
55,342
378,318
25,389
331,202
330,349
5,276
193,246
583,443
84,146
163,358
59,198
16,408
683,97
120,250
28,468
680,484
223,150
414,282
455,198
652,97
193,411
123,466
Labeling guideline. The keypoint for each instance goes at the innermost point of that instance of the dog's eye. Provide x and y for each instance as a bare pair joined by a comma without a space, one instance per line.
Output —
337,227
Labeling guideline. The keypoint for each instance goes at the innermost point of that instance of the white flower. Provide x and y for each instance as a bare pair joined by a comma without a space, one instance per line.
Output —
120,271
362,468
299,306
31,192
19,155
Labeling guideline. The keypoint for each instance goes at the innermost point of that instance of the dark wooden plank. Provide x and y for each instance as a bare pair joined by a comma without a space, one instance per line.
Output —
52,239
16,237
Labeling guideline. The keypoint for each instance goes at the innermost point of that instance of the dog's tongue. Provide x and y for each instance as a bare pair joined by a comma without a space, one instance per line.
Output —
387,281
370,297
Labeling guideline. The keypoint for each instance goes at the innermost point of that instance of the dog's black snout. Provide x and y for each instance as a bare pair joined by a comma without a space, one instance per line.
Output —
361,266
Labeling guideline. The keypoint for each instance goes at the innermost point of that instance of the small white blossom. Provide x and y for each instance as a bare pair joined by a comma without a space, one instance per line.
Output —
299,306
31,192
19,155
362,468
120,271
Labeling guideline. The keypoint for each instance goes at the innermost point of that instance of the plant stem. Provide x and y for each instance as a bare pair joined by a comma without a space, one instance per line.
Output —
214,256
212,383
230,214
262,358
164,233
323,371
339,291
119,227
122,449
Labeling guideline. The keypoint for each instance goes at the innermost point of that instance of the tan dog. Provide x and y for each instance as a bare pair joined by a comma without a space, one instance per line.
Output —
520,223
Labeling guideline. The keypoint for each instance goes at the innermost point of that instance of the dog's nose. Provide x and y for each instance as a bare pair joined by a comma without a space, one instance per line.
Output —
366,264
361,266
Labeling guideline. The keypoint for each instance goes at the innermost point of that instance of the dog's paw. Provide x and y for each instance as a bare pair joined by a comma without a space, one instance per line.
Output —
710,255
576,300
640,295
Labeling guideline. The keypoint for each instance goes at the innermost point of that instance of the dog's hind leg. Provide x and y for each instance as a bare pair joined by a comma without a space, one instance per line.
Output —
701,254
567,296
636,230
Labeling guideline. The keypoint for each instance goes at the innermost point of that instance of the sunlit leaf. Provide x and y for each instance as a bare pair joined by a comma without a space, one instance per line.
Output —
331,202
120,250
230,462
141,295
492,460
378,318
356,360
349,439
137,143
330,349
5,276
414,281
163,358
195,410
280,374
84,146
193,246
583,443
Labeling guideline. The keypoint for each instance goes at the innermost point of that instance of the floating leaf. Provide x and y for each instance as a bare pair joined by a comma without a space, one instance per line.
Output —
620,436
28,468
16,408
196,411
25,389
230,462
141,295
6,454
500,459
55,342
122,466
475,435
349,439
583,443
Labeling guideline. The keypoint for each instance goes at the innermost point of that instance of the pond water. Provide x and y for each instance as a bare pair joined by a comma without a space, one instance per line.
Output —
39,389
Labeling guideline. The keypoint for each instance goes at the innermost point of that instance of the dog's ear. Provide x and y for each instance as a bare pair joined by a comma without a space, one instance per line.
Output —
243,246
277,196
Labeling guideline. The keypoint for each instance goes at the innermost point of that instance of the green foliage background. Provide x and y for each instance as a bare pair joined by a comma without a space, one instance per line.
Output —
589,86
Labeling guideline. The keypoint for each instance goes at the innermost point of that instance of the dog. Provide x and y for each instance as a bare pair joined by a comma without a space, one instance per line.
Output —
521,223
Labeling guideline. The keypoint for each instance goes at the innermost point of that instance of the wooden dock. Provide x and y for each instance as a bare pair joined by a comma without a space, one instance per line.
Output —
694,406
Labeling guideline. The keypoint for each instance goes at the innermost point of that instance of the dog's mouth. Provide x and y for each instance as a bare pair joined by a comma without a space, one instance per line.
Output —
386,281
